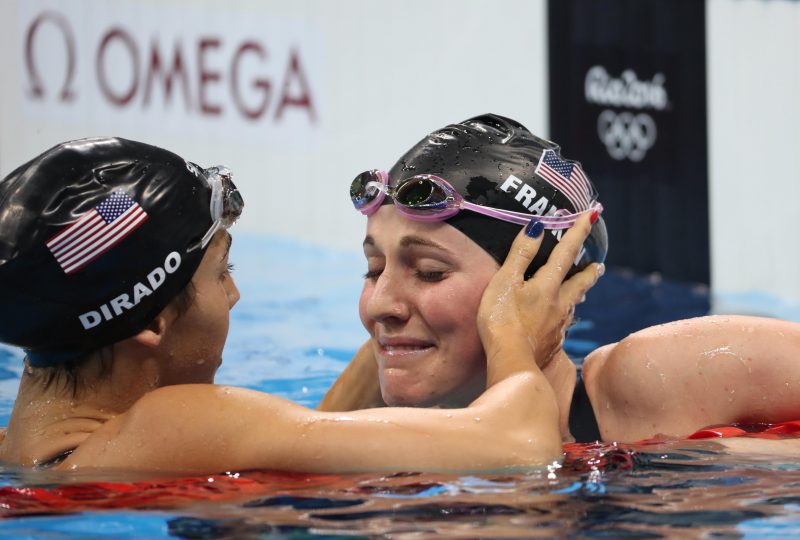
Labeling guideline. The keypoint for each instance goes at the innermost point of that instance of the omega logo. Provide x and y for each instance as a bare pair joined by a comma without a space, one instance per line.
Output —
36,87
208,74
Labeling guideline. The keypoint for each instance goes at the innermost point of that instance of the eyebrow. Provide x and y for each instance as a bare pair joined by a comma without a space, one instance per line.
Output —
411,241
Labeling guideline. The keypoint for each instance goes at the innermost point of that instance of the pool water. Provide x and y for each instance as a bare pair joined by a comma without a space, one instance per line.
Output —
294,330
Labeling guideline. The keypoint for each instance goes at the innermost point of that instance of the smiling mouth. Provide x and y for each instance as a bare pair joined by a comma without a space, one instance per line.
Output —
401,349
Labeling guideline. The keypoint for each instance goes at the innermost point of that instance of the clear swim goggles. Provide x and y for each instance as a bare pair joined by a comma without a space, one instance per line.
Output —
226,201
426,197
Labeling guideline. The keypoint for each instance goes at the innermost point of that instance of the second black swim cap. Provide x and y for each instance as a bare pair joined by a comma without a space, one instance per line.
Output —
97,236
493,161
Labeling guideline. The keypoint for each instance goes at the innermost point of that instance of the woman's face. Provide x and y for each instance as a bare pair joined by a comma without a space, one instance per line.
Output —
419,304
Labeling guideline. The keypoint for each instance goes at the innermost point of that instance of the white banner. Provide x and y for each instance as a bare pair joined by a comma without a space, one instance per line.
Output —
296,98
225,73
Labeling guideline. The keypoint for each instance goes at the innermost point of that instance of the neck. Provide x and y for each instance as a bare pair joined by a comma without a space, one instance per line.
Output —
560,372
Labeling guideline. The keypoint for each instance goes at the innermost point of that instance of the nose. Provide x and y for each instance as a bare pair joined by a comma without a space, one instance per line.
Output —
388,300
232,292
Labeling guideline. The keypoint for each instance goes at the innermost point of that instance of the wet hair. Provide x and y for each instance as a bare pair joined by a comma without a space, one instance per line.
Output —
479,157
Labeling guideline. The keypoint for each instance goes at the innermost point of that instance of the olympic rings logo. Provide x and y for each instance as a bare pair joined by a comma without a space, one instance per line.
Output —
626,135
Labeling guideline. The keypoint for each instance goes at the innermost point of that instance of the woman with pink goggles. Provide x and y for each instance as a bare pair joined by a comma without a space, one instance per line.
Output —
440,223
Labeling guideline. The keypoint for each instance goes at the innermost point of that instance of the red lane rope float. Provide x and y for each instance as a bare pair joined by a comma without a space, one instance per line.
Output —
584,457
233,488
173,492
781,430
177,492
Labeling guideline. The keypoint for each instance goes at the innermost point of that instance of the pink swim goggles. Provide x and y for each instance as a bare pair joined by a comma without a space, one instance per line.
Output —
426,197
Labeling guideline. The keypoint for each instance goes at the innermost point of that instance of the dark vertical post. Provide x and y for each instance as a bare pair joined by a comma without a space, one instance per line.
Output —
628,100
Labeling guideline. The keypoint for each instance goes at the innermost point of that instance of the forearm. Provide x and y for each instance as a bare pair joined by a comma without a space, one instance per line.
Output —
513,424
560,372
507,353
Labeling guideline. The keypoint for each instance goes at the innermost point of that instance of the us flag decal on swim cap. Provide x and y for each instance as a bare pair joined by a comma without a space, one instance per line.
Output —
567,177
97,231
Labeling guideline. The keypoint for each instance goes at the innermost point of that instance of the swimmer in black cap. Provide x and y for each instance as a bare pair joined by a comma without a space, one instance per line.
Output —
114,279
439,224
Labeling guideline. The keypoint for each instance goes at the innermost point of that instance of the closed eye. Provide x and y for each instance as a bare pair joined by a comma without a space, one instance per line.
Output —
372,274
430,276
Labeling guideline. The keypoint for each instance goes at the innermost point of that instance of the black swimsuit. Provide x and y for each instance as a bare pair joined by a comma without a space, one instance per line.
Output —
54,461
582,421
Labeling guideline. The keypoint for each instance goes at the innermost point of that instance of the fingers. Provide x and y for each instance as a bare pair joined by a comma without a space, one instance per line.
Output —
565,253
524,249
573,290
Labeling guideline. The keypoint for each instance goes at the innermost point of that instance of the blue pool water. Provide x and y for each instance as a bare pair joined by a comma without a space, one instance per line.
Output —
294,330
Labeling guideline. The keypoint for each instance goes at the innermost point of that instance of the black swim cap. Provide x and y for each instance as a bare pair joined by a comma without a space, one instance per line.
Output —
97,236
492,161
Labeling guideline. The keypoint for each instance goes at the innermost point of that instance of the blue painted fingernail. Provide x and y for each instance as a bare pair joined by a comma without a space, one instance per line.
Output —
534,228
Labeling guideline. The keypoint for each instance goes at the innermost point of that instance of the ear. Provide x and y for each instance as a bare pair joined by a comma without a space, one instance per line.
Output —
153,333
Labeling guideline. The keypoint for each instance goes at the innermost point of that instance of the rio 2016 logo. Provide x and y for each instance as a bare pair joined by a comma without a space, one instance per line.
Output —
626,134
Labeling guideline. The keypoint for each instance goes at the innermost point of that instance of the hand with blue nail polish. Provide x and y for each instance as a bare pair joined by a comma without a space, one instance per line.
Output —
541,307
535,228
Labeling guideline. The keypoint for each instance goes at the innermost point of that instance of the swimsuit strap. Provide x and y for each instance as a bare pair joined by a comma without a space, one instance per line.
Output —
582,421
54,461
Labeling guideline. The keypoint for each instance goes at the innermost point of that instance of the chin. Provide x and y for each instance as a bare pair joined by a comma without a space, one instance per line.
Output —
403,396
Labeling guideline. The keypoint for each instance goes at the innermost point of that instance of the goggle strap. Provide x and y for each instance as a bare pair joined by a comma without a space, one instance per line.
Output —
210,234
520,218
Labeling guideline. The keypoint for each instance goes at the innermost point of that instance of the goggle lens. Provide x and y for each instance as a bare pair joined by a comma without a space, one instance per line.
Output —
226,201
365,188
421,192
232,202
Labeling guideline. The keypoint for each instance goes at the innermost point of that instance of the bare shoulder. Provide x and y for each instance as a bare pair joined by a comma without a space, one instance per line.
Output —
721,326
183,428
681,376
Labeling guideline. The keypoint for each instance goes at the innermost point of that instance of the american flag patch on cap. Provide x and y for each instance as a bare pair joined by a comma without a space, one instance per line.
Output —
97,231
567,177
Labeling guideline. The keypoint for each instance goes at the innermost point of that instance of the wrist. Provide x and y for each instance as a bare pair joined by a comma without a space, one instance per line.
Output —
502,337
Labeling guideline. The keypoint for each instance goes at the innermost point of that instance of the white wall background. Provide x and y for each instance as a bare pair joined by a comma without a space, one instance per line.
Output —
379,75
754,153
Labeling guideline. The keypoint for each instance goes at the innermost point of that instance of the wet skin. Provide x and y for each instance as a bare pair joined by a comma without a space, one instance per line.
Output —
130,419
199,334
424,281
